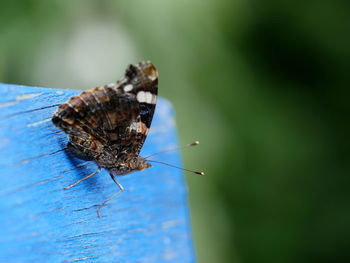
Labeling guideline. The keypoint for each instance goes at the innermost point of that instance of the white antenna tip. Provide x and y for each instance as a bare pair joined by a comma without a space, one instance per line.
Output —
194,143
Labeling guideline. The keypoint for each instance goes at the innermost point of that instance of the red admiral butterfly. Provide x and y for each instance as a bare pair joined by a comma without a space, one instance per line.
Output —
109,124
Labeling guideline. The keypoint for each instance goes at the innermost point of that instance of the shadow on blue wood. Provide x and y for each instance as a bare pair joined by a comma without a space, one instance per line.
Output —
40,222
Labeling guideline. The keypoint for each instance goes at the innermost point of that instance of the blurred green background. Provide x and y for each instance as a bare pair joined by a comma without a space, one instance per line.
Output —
264,85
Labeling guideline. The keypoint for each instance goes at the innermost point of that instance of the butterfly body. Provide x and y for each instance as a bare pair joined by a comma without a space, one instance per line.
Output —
109,124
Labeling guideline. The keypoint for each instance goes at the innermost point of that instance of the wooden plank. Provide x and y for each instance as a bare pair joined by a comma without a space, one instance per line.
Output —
41,222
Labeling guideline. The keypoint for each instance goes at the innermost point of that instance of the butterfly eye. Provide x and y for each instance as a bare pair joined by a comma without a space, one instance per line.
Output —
131,72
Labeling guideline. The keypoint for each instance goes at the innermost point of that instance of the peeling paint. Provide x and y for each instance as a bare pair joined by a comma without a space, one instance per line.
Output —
38,123
19,98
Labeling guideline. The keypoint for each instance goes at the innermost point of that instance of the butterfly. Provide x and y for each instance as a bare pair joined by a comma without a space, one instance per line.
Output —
109,124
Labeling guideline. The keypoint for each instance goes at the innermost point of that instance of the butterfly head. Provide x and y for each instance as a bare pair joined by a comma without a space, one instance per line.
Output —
142,71
138,164
130,165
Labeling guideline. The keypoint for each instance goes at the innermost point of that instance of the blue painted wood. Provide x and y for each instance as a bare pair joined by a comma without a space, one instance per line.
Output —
41,222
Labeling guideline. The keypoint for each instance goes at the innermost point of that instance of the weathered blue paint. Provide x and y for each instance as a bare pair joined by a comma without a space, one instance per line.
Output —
40,222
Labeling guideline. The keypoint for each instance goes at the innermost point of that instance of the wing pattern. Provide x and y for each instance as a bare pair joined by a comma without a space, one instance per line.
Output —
110,123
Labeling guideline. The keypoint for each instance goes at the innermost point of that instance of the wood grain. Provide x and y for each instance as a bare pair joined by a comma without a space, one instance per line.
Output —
41,222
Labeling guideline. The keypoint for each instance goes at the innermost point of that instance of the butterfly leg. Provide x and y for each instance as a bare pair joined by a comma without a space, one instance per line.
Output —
87,177
121,188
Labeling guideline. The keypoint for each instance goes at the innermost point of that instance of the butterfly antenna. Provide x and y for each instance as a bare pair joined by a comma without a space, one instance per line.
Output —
173,149
184,169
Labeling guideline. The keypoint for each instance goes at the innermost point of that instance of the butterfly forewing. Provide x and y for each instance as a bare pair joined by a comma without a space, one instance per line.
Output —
112,121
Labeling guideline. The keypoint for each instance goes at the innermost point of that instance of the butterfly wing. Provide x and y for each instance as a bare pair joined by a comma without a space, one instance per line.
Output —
115,118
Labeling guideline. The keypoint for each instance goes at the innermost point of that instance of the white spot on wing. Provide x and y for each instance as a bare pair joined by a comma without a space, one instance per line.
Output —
111,85
141,96
152,77
154,99
128,88
148,97
134,126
